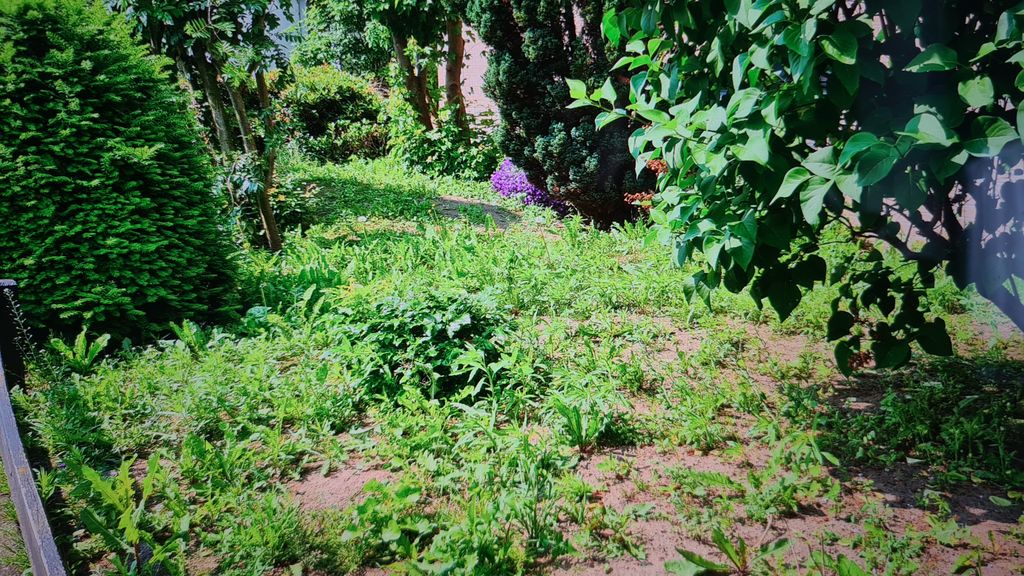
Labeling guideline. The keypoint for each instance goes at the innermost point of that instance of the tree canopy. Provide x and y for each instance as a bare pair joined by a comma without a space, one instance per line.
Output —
774,121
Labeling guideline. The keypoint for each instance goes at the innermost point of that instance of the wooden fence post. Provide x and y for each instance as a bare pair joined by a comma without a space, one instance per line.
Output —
35,528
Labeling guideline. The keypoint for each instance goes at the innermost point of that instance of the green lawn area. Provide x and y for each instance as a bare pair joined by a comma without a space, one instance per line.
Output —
430,380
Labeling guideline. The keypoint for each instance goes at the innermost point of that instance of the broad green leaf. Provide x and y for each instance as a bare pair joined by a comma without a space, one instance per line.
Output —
843,352
1000,501
391,532
713,249
755,149
654,115
704,565
791,182
1006,28
793,39
739,66
875,164
623,61
636,46
820,6
608,92
610,27
849,76
744,240
822,162
742,104
890,353
986,49
841,47
605,118
1020,120
683,567
977,91
839,324
934,339
812,197
848,185
988,136
577,89
715,118
935,58
582,103
747,227
784,296
847,567
856,143
774,18
636,84
928,129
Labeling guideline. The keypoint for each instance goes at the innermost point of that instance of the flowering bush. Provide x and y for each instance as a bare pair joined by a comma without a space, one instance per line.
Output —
511,182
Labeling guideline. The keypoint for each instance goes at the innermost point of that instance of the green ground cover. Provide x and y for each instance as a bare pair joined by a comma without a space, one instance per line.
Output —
429,381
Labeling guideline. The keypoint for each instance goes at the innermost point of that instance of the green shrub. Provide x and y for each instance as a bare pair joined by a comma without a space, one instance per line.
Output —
421,341
773,121
447,149
106,212
334,114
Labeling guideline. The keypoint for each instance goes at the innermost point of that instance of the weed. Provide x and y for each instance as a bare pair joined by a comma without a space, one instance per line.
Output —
742,559
82,355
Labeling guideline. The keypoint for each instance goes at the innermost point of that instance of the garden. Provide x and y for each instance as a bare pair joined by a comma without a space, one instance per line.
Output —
701,287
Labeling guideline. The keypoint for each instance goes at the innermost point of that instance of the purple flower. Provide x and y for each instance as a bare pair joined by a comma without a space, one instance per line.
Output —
511,182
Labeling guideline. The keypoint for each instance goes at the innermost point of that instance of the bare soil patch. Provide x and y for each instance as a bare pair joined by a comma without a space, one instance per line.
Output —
338,490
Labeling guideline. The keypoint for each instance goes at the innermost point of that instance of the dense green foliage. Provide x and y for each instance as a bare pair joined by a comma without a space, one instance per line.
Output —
341,33
534,47
578,406
227,51
445,149
426,342
776,119
334,115
107,217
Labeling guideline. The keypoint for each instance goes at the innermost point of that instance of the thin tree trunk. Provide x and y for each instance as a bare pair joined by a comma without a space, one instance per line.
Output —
211,89
414,83
242,117
453,71
270,165
273,235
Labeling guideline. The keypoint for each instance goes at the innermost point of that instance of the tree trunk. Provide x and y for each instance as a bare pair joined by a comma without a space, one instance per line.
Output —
273,235
242,117
453,71
211,89
270,165
415,84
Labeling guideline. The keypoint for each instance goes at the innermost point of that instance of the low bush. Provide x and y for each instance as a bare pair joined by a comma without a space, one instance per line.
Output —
334,115
106,213
425,341
447,149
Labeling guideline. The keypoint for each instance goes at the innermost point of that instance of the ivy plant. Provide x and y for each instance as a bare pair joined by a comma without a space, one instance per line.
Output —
771,122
